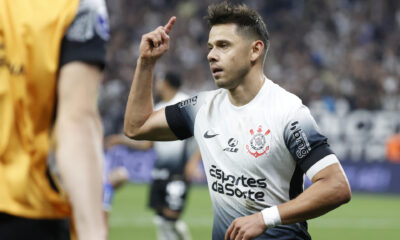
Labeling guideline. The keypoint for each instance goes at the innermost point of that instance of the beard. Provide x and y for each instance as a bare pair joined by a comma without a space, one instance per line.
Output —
232,79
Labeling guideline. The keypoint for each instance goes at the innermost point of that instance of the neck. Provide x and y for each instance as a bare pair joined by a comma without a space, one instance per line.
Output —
247,89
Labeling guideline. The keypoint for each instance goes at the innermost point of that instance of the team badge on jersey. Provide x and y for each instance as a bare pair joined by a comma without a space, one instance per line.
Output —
258,143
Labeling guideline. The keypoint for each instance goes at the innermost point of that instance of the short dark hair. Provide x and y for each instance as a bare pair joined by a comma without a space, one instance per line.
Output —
173,79
247,19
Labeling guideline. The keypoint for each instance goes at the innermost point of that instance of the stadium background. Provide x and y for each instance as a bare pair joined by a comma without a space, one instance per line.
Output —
341,57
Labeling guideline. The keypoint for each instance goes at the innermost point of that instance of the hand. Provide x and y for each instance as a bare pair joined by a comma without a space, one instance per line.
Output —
154,44
247,227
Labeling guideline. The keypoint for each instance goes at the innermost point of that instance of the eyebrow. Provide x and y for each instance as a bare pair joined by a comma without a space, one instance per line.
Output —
219,41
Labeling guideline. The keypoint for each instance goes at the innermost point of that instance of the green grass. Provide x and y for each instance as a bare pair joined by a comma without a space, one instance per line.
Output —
366,217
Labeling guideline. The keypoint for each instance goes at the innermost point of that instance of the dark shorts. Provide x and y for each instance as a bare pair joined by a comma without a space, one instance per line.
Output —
168,193
17,228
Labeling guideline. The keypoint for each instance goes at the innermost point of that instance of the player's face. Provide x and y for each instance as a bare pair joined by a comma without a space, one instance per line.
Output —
229,55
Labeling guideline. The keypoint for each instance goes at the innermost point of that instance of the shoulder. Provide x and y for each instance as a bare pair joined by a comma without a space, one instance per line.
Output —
284,102
87,35
91,20
200,99
282,95
182,115
179,96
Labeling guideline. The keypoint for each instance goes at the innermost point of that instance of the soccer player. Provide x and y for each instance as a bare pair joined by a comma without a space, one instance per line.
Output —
51,58
170,183
256,139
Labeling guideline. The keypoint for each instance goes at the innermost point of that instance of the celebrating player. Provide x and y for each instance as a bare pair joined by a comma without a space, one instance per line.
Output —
256,139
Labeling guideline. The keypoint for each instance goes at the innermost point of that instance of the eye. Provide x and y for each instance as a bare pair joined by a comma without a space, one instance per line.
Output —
223,44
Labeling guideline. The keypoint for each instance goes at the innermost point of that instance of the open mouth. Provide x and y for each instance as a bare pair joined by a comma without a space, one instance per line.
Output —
216,70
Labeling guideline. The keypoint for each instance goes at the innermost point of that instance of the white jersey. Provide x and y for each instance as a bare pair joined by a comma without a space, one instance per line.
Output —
170,155
255,155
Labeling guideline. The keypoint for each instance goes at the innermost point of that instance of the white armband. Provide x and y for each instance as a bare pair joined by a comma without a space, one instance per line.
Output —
321,164
271,216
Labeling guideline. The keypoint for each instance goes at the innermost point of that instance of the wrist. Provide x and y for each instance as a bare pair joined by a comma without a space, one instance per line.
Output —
146,62
271,216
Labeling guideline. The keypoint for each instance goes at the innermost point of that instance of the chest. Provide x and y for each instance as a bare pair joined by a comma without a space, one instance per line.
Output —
248,141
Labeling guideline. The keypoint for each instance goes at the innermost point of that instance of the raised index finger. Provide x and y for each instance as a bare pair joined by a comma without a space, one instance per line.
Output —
170,24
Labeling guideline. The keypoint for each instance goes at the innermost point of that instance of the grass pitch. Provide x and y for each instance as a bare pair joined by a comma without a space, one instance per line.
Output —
366,217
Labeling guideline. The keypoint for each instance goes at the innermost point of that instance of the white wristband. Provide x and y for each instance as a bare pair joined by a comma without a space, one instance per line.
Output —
271,216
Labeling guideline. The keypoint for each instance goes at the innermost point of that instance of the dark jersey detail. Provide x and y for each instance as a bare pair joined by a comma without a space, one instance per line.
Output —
86,37
170,193
316,154
43,229
178,121
304,141
92,51
296,183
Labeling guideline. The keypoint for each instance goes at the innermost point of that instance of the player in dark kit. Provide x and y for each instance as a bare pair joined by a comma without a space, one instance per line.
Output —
172,169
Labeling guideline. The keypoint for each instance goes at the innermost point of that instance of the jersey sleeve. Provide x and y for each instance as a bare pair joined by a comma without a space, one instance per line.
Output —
181,116
306,144
86,37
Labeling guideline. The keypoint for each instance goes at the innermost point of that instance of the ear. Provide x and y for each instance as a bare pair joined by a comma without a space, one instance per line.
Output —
257,49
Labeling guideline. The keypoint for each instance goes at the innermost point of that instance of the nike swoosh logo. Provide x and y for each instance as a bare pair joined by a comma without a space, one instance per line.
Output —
208,135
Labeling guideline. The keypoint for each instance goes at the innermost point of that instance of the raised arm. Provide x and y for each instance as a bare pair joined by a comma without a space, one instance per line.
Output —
141,122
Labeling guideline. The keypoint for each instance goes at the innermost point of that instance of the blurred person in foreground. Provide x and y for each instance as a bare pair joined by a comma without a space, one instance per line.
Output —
256,139
51,59
172,170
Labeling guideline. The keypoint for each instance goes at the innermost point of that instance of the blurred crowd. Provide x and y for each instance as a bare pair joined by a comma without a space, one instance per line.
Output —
344,51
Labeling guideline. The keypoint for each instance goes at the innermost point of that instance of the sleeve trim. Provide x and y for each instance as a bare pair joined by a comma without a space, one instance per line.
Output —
92,51
314,156
177,123
321,164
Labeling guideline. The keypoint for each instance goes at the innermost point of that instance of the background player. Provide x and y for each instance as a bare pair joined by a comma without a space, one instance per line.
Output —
272,138
171,173
51,50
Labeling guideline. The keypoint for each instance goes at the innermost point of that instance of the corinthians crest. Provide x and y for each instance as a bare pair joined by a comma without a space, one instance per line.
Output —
258,142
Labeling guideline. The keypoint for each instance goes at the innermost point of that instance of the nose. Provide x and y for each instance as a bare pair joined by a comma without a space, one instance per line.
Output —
212,56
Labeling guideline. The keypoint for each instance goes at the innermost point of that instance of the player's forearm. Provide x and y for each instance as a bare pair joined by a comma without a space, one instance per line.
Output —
140,102
134,144
79,146
79,157
321,197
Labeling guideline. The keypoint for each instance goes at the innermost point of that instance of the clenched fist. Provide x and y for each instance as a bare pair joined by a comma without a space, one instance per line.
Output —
154,44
